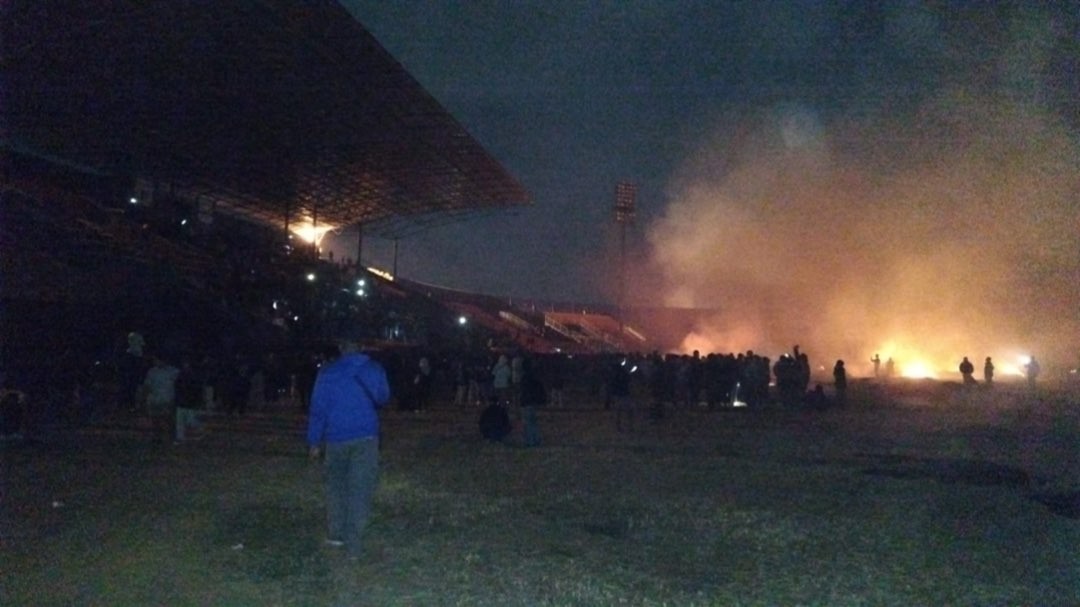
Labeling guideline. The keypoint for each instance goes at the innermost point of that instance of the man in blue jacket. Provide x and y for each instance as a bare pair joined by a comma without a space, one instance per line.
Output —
343,416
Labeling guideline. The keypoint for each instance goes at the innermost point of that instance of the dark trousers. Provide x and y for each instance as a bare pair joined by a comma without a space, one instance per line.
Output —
351,475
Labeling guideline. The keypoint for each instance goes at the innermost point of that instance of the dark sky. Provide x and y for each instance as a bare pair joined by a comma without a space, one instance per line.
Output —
781,149
573,97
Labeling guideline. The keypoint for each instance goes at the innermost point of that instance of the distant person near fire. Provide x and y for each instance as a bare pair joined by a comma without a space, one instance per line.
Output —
840,383
1032,370
967,371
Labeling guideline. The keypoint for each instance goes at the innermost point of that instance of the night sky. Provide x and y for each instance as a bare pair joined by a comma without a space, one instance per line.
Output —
858,174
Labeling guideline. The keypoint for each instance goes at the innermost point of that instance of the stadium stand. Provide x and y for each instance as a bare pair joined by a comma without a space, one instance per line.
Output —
158,158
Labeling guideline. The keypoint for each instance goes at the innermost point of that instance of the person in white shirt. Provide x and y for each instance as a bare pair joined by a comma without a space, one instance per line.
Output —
159,389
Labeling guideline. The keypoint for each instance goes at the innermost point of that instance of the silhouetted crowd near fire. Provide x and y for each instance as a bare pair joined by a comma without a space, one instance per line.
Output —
246,332
175,390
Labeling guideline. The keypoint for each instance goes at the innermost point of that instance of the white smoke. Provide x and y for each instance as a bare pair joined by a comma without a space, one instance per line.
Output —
946,231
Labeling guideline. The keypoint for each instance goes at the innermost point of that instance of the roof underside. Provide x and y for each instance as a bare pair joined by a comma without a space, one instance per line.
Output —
274,108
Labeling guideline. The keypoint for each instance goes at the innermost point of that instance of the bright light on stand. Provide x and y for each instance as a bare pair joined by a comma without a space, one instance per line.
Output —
310,233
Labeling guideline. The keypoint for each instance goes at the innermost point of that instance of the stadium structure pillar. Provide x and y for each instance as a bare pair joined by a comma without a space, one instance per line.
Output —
359,244
314,224
396,240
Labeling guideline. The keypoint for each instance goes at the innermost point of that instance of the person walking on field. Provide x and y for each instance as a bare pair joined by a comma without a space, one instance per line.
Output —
343,421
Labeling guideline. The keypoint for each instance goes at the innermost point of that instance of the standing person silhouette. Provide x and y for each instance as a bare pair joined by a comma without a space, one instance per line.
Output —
160,390
967,371
840,383
988,372
343,421
620,393
532,395
1032,370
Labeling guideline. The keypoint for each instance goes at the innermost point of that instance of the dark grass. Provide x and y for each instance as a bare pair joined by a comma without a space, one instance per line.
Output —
877,505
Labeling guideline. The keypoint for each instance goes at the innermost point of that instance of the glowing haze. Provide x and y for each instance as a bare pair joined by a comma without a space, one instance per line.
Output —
923,231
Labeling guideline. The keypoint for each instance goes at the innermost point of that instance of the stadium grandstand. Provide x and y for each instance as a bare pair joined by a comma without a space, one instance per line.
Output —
283,111
169,166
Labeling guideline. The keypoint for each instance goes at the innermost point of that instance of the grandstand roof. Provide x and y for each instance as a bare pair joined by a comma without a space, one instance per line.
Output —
269,107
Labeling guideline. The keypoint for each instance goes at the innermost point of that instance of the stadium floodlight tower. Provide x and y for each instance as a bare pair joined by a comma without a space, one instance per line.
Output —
625,195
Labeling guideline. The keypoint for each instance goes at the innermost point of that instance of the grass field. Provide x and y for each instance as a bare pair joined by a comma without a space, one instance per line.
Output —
919,495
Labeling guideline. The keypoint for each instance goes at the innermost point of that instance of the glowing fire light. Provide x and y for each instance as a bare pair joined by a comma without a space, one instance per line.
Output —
917,369
911,362
381,273
1018,369
310,233
936,364
912,358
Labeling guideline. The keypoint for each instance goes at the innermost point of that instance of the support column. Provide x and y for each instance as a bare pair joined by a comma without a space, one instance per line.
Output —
396,239
359,245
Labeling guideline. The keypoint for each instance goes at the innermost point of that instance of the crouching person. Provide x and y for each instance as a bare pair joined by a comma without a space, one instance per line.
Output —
343,420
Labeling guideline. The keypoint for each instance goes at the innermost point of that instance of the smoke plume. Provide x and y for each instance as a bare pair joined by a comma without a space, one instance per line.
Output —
927,232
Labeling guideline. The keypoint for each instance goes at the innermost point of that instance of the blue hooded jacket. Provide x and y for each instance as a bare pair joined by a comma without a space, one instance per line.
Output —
343,402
